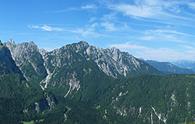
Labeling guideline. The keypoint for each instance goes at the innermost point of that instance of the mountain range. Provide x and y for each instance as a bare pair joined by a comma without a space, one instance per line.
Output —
82,84
169,68
186,64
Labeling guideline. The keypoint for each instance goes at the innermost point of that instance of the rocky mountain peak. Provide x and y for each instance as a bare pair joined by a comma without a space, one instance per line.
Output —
111,61
83,43
43,51
28,59
7,64
23,48
115,53
1,44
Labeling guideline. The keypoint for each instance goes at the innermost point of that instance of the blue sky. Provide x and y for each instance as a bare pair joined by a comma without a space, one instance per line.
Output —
162,30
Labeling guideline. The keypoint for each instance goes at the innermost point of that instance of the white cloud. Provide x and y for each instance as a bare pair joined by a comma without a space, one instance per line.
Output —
109,26
78,8
141,8
157,35
92,19
88,30
111,23
127,46
46,28
133,10
191,5
160,54
153,9
166,35
89,6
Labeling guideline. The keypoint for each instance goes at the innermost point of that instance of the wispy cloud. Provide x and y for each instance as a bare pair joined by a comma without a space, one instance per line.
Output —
78,8
88,30
191,4
162,34
46,28
94,29
133,10
111,23
109,26
127,46
89,6
153,9
167,35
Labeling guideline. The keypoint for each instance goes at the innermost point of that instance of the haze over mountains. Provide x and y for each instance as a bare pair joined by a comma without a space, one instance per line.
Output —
80,83
186,64
170,68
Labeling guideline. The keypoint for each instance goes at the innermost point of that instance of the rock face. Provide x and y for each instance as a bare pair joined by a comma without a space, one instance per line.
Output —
7,64
28,59
112,62
57,68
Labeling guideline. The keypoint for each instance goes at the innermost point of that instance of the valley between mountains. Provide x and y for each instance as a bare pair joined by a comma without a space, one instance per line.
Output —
82,84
